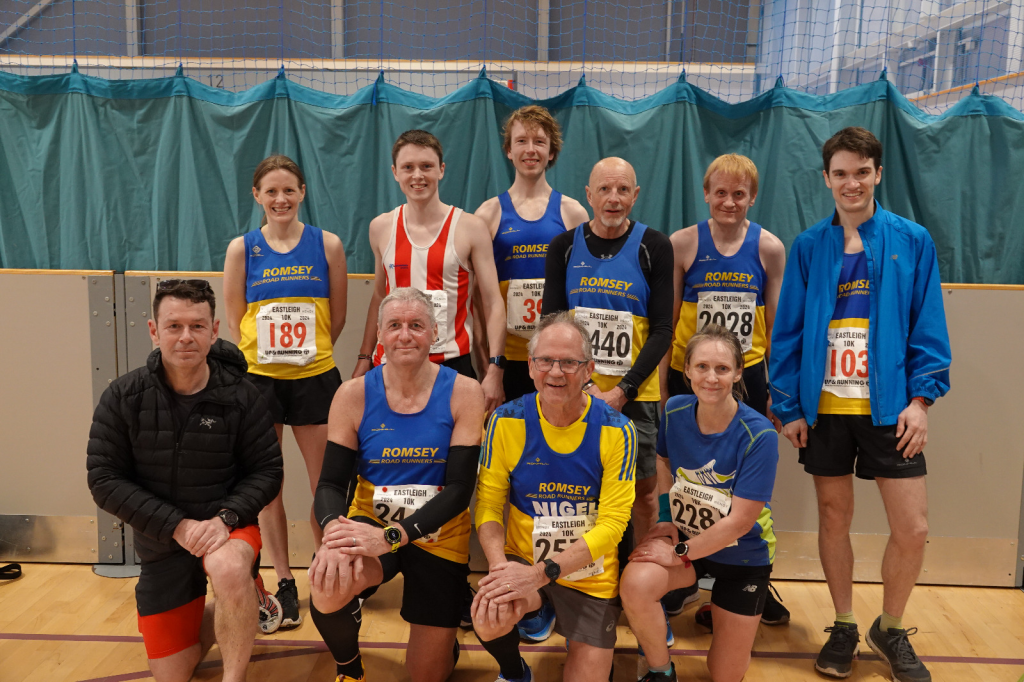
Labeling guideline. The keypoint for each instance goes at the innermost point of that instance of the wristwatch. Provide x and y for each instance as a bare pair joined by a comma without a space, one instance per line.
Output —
682,549
229,518
629,390
498,360
393,537
928,402
552,570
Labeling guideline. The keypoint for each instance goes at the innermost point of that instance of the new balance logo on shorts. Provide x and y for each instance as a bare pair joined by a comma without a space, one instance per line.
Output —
750,588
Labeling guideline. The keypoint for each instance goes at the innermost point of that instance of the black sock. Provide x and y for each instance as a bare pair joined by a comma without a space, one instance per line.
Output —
340,631
505,650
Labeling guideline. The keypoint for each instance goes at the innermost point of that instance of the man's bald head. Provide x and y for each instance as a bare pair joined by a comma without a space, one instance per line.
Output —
613,165
612,192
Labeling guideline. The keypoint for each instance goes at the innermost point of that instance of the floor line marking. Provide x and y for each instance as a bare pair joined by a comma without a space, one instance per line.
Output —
317,646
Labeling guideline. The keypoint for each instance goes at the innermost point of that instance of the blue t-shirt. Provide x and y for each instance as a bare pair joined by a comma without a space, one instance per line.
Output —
741,462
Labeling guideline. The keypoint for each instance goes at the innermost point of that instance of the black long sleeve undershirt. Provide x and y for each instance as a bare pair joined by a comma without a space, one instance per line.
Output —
336,488
657,262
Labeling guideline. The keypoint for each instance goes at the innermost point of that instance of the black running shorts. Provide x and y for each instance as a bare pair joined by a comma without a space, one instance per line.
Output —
742,590
435,589
299,402
844,444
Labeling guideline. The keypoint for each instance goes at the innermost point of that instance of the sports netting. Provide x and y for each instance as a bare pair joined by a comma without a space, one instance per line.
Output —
933,51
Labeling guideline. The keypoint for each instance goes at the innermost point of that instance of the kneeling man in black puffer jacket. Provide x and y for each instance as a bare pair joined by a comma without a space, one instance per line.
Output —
184,450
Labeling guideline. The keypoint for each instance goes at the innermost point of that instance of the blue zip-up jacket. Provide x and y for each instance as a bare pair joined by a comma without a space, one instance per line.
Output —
908,344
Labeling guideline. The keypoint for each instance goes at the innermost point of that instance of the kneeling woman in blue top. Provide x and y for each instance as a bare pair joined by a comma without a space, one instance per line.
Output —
719,460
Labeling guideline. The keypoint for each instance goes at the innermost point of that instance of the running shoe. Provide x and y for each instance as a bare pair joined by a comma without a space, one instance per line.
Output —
836,657
675,601
703,617
270,608
652,676
466,620
774,612
540,627
288,596
528,677
895,649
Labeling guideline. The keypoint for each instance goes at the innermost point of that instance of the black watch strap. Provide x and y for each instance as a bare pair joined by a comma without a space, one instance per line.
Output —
229,518
498,360
629,390
552,570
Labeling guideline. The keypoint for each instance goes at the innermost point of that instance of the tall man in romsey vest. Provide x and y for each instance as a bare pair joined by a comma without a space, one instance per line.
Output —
616,274
860,351
439,250
522,222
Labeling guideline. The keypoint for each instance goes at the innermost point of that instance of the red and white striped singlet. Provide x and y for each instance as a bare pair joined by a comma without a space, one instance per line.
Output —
435,270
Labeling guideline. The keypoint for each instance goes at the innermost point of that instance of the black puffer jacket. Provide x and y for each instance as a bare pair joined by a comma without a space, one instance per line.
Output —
150,472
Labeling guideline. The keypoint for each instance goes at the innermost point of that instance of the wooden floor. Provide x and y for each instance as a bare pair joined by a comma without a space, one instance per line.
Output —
62,623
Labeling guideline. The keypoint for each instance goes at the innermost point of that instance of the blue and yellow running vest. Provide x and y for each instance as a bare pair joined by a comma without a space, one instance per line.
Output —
845,388
520,247
286,329
725,290
609,296
403,460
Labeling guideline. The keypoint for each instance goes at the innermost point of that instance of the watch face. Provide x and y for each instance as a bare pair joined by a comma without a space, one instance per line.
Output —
392,535
229,517
552,570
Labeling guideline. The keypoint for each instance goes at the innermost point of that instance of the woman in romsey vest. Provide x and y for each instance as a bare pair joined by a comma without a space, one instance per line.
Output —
717,462
285,288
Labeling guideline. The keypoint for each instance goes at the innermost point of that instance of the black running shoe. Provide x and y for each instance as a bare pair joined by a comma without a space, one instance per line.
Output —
288,595
774,612
836,657
895,649
652,676
675,601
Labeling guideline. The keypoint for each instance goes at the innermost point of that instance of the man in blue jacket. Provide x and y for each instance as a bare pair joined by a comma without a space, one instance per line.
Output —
860,351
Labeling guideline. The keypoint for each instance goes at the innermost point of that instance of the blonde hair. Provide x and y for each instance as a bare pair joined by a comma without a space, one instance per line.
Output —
735,166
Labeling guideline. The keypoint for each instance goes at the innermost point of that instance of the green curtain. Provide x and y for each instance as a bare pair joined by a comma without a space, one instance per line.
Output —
156,175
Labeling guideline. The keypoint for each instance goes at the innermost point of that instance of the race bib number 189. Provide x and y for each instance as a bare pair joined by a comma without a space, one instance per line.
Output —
552,535
286,333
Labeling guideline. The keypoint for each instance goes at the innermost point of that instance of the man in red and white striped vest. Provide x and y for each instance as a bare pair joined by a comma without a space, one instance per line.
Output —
439,250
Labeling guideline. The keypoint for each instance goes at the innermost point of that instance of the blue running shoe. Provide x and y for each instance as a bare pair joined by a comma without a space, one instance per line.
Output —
540,627
528,677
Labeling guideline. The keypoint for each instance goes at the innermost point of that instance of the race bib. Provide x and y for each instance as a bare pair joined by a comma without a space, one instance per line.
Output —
734,311
552,535
286,333
611,336
696,508
392,503
440,301
523,306
846,362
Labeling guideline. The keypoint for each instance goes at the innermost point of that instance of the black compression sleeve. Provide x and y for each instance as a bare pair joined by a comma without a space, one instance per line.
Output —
659,307
555,298
337,483
459,483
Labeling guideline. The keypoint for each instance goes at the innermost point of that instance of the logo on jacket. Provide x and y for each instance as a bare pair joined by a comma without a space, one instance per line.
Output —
208,422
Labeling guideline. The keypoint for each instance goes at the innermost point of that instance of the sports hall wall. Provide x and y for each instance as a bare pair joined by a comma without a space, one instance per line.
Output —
156,174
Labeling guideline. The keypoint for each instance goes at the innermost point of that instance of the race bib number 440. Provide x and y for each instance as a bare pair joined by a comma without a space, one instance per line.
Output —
611,336
696,508
552,535
846,362
393,503
734,311
286,333
523,306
